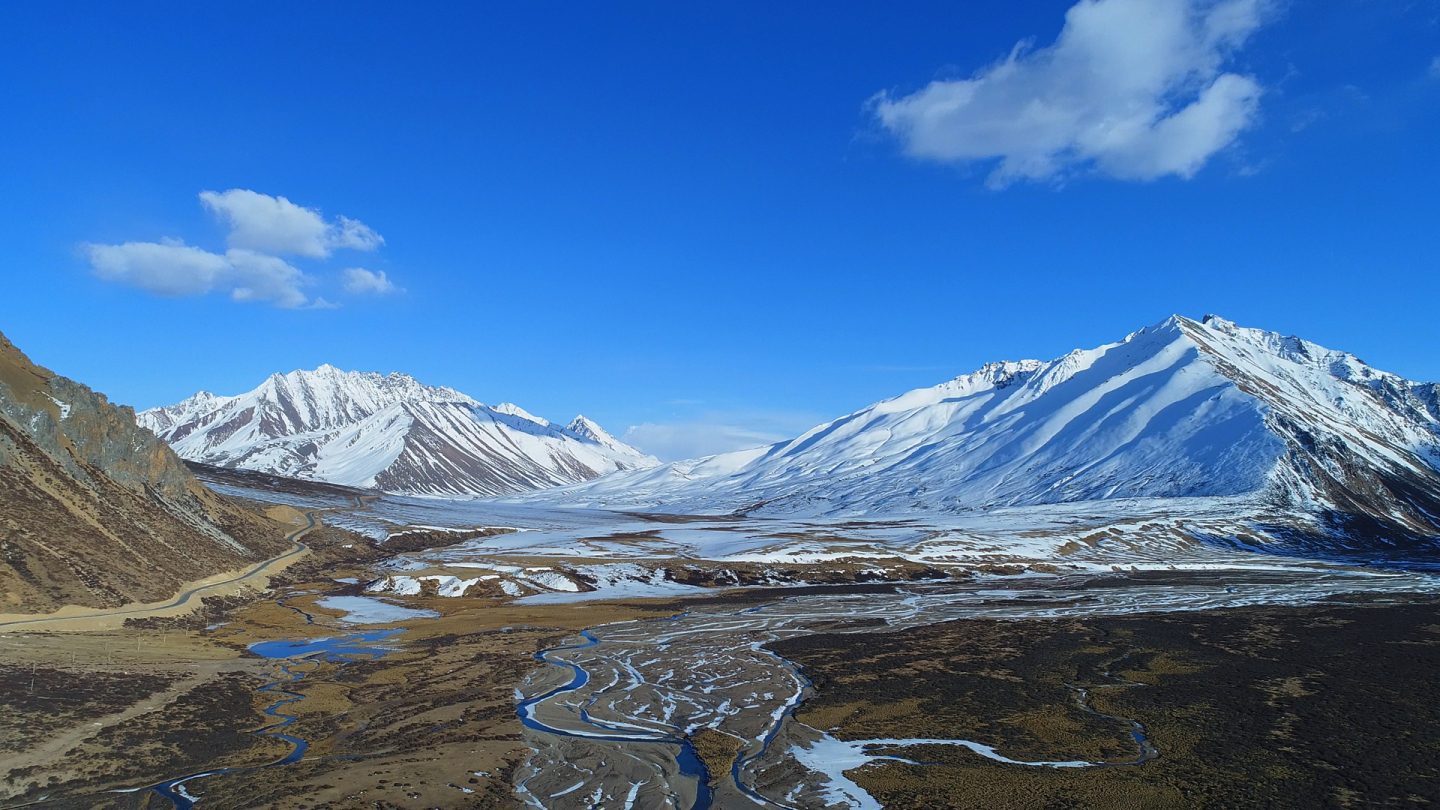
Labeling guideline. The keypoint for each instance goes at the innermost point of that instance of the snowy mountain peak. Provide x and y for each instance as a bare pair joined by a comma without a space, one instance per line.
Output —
587,429
1180,409
999,375
582,426
388,431
515,410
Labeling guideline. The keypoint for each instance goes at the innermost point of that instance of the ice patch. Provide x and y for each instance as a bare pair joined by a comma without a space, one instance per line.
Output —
833,757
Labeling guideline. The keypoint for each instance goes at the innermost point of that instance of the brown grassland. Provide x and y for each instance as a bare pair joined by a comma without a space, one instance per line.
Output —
1327,706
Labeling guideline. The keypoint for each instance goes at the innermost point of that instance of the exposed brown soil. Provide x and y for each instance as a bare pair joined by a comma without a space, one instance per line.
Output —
207,727
415,729
41,701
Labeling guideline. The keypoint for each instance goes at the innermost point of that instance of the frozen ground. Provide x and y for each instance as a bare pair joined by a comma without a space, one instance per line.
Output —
1020,534
572,554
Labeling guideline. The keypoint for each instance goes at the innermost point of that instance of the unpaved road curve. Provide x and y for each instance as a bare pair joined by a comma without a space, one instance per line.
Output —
81,619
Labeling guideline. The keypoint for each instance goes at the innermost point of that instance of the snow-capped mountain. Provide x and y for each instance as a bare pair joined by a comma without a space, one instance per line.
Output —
1180,409
389,432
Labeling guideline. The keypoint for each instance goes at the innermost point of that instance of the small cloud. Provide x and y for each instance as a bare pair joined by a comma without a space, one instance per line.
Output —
714,432
277,226
262,229
359,280
1302,120
1252,169
1435,68
674,442
1354,93
1131,89
173,269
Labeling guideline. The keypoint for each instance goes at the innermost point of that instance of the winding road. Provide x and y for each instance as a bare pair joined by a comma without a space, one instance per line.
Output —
177,604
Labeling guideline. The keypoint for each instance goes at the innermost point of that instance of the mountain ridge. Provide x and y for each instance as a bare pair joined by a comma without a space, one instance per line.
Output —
1180,409
388,432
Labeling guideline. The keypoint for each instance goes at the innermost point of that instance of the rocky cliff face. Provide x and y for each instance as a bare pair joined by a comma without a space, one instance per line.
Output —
95,510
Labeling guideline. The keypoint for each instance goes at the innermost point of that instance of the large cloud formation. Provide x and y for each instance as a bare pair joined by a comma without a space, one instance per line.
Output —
262,229
1131,89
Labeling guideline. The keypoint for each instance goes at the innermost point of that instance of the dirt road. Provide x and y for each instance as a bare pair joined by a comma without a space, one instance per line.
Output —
78,619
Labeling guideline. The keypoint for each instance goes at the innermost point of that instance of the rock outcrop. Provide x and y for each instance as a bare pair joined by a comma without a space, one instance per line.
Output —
96,511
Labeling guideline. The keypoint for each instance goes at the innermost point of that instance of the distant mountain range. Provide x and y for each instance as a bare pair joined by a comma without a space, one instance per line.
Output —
1181,409
95,511
389,432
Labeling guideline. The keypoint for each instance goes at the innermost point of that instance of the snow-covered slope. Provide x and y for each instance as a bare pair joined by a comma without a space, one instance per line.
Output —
1180,409
387,431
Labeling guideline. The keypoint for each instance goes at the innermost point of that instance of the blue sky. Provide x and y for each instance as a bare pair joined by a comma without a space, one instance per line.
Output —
720,225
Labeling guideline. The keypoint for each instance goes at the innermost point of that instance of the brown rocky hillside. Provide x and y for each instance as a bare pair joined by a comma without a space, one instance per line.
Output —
96,511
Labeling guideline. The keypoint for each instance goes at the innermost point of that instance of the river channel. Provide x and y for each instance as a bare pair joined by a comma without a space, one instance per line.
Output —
611,715
296,653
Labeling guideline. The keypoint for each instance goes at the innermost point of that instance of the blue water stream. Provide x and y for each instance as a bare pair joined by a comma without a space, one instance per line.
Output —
689,761
687,758
326,649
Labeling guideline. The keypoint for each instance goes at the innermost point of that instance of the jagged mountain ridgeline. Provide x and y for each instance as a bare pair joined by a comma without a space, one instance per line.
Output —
94,510
1182,409
388,432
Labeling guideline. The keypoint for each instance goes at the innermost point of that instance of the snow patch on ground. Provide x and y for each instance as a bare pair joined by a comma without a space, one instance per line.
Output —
365,610
402,585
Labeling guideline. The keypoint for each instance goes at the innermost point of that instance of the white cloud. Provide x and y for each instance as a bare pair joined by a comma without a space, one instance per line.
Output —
1132,89
359,280
277,226
696,432
174,269
1435,68
262,228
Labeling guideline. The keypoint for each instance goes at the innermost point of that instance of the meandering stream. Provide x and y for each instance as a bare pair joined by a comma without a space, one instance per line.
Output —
611,717
297,651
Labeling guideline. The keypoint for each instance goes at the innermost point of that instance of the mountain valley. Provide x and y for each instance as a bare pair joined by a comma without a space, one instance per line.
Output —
1315,443
1075,581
